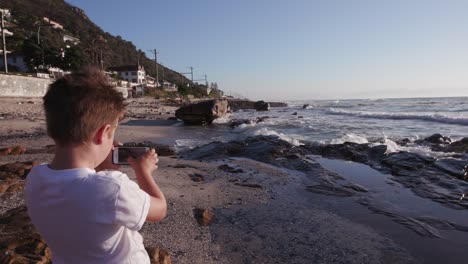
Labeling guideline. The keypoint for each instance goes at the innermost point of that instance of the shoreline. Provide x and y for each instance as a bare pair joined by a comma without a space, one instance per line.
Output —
264,213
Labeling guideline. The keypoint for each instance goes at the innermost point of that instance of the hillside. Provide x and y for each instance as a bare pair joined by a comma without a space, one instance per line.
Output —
27,20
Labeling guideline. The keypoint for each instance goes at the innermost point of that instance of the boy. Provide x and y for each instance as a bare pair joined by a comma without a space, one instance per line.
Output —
87,214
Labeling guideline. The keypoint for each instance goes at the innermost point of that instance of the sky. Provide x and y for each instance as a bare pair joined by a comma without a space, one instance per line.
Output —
302,49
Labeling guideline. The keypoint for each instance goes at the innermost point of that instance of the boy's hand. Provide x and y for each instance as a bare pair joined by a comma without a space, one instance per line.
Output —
107,163
145,164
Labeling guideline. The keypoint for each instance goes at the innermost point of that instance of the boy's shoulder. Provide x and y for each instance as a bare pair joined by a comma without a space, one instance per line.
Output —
110,175
85,176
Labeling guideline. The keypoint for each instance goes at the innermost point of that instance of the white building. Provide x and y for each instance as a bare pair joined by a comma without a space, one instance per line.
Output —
134,74
70,39
169,87
53,24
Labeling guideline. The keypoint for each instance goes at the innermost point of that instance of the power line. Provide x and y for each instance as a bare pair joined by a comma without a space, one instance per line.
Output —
191,72
155,52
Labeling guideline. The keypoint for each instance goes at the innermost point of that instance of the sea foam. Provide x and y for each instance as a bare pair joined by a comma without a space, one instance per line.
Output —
439,118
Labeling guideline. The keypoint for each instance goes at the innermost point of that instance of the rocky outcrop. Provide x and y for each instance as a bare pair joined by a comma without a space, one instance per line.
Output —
237,122
236,105
19,242
202,113
460,146
437,179
16,150
262,106
12,176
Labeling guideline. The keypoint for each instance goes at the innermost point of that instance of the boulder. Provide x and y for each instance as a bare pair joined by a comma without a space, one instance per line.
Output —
460,146
436,139
196,177
229,169
262,106
305,106
204,216
202,113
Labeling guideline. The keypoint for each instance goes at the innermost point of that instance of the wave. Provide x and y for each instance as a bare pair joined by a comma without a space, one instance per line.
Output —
269,132
349,138
401,116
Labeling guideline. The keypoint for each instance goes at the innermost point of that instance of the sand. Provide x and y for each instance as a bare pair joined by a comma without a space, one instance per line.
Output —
262,214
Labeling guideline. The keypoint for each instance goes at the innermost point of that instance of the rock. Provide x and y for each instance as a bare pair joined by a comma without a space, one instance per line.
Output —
460,146
305,106
202,113
19,242
16,169
249,185
158,255
12,176
16,150
204,216
453,167
437,139
262,106
236,105
229,169
5,151
295,113
330,190
407,161
197,177
237,122
356,187
300,117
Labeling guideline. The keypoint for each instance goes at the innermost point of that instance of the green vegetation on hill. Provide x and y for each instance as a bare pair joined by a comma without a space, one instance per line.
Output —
27,21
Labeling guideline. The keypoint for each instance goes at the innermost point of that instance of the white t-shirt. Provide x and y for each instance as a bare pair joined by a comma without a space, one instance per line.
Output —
88,217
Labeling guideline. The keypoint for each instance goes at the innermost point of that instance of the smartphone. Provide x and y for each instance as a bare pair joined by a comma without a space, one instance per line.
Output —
120,155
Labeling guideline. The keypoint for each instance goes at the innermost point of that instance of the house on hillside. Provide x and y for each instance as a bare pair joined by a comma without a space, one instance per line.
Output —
169,87
134,74
151,82
53,24
70,39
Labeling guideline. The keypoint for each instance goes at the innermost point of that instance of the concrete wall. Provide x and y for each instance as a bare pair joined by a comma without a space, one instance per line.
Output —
23,86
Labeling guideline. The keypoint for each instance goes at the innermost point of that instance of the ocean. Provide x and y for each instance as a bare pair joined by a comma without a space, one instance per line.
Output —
376,121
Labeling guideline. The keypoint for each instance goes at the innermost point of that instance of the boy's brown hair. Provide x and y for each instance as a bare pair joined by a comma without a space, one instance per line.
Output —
78,104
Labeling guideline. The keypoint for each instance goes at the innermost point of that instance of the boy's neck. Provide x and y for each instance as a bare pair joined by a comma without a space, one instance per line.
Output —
73,157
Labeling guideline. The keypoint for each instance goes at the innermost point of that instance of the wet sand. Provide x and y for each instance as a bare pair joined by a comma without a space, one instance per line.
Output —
263,213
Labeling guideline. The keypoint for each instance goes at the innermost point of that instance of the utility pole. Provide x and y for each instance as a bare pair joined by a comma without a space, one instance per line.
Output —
155,52
5,61
191,73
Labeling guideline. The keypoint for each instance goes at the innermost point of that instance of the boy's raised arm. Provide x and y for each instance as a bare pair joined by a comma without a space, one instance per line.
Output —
143,167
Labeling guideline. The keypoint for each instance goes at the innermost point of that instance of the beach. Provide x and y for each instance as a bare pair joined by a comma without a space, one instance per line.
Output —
271,200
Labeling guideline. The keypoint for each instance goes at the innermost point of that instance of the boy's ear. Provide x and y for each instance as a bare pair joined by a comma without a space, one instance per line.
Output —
101,133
